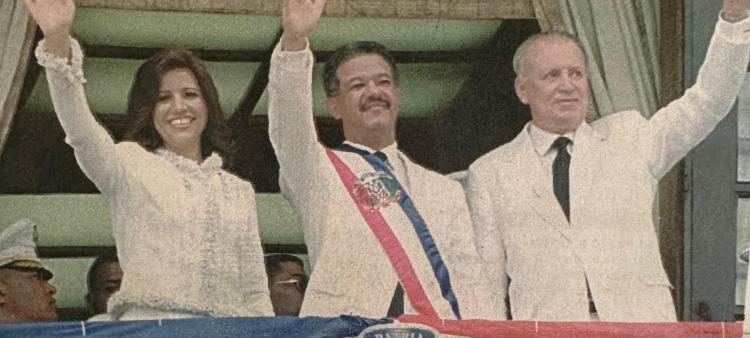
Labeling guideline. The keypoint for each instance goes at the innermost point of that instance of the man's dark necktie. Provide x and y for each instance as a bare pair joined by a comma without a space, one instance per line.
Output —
382,157
397,302
560,174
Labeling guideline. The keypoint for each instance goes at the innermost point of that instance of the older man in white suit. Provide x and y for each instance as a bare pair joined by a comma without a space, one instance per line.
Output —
396,225
563,213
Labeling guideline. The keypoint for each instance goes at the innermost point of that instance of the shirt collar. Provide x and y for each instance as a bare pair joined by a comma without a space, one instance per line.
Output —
391,151
542,140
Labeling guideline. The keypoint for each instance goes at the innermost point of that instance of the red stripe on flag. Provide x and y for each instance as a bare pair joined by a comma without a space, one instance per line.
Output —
521,329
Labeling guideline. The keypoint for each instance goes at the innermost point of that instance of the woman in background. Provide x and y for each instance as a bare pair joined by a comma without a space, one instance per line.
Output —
186,230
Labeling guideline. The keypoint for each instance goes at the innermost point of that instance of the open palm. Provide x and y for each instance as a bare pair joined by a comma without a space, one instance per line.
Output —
54,17
299,16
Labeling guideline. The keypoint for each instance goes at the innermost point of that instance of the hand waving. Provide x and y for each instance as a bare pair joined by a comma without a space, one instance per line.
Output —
54,17
298,17
734,10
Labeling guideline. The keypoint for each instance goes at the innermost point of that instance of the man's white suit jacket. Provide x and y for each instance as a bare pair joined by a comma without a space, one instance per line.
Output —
617,161
351,273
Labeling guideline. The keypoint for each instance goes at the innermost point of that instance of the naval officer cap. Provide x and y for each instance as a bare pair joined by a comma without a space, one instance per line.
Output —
18,249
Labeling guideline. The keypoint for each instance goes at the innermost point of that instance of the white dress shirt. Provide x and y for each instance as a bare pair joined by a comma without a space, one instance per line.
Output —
542,141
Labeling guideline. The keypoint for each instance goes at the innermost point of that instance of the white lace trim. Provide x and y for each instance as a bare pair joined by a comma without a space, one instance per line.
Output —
207,302
210,165
73,71
209,257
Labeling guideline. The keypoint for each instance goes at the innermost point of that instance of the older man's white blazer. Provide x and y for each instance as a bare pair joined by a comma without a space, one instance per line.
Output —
617,161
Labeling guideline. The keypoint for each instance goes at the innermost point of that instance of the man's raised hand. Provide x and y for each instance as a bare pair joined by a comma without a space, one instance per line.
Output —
298,17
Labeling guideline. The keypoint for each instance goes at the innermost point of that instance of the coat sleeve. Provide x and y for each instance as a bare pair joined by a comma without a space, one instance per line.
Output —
483,210
474,291
291,128
93,146
681,125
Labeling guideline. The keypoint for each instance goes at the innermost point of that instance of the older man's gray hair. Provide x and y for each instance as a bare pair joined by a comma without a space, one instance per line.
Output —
522,53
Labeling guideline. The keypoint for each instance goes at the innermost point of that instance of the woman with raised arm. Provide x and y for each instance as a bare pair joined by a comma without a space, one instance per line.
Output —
186,230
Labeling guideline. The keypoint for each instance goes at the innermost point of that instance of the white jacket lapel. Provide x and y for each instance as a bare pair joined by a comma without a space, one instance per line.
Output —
546,204
415,177
585,168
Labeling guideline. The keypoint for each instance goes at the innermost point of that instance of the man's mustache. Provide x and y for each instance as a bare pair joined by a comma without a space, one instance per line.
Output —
376,101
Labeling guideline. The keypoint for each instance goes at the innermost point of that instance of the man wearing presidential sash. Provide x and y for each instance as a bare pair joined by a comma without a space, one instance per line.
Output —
380,229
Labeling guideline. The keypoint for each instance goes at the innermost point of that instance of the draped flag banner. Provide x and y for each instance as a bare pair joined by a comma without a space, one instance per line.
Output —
266,327
523,329
351,326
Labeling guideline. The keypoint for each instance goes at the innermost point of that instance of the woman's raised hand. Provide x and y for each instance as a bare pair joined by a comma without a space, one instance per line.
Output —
54,17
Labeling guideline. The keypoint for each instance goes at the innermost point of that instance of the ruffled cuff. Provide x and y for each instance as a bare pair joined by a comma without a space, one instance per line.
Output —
72,70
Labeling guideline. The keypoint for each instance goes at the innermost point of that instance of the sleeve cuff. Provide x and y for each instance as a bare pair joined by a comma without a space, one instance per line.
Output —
72,70
734,32
291,61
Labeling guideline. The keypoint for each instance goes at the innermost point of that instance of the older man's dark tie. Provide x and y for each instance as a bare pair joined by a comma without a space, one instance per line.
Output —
561,175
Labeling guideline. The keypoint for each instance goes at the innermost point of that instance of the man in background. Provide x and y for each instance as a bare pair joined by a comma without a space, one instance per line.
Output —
25,294
104,279
287,281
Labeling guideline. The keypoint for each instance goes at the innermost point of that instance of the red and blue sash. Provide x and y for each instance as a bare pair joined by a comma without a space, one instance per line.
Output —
389,241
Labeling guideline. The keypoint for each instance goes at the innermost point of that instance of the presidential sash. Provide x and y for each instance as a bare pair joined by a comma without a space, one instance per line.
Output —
378,189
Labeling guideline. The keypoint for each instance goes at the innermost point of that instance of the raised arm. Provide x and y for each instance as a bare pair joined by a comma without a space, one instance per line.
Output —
62,58
298,17
290,107
291,126
684,123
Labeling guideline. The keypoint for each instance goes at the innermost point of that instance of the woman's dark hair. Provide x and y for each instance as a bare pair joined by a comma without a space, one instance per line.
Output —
144,95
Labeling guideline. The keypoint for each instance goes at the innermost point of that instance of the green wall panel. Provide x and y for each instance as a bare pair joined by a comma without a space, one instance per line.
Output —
404,34
69,279
254,32
109,82
83,220
62,220
426,88
159,29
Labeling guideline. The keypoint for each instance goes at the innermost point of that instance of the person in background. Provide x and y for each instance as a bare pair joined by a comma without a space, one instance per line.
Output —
104,279
287,282
25,292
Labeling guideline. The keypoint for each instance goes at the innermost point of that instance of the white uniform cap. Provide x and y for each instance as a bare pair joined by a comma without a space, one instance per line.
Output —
18,245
